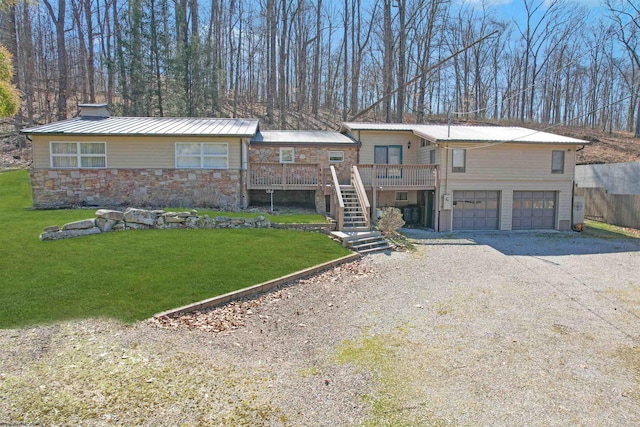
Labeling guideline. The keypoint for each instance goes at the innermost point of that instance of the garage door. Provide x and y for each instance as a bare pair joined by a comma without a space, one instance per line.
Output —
534,210
475,210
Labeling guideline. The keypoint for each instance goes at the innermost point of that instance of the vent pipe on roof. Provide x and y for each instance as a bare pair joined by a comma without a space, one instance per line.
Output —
94,110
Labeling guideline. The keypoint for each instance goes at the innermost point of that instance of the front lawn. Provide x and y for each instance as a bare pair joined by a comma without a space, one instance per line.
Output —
131,275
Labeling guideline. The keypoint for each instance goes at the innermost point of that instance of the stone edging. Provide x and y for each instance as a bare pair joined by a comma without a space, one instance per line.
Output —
256,289
140,219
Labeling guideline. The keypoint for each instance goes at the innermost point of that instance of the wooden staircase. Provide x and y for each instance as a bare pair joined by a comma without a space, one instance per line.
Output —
354,217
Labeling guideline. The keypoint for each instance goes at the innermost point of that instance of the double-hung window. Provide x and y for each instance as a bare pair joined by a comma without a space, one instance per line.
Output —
89,155
557,161
202,155
287,155
459,159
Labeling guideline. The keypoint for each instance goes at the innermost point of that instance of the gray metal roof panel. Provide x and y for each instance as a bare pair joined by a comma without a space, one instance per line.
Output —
490,134
174,126
463,133
301,137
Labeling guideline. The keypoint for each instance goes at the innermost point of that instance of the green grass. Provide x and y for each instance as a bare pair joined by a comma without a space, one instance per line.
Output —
278,219
608,231
131,275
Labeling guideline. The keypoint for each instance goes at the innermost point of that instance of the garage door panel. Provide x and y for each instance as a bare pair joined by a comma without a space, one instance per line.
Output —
533,210
475,210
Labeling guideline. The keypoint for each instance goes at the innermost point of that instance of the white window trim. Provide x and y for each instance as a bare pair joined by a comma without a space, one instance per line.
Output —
293,154
402,200
558,171
432,152
331,153
77,154
202,155
464,160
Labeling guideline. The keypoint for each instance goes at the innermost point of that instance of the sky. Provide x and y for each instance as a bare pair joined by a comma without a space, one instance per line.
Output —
514,9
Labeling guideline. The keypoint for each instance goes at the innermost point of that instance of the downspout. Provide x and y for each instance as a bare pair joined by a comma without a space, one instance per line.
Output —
243,170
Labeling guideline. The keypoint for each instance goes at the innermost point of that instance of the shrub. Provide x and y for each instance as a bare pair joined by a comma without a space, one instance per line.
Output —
390,221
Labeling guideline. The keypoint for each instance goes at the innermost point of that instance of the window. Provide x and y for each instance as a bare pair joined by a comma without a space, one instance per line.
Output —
336,156
424,142
196,155
287,155
557,162
459,159
402,196
78,155
432,157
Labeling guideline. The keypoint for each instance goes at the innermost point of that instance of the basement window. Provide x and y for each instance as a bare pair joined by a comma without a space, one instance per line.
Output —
402,196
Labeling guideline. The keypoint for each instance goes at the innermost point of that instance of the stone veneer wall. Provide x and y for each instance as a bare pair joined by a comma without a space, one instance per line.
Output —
54,188
263,153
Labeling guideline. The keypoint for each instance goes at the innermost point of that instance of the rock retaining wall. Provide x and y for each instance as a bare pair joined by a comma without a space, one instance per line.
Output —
140,219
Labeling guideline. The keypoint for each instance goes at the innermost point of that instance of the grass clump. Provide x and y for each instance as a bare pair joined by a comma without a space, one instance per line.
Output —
395,399
131,275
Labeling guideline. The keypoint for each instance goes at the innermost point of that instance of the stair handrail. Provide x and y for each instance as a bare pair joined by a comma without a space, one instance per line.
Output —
356,181
338,198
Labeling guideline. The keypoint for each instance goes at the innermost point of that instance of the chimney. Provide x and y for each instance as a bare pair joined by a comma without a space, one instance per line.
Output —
94,110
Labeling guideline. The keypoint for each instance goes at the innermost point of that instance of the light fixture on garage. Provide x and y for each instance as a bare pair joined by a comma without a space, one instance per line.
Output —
409,145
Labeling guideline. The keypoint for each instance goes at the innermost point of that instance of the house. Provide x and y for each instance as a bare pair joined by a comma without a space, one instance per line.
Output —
487,177
442,177
293,166
96,159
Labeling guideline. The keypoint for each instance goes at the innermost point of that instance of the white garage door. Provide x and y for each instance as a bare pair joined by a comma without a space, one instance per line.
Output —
475,210
534,210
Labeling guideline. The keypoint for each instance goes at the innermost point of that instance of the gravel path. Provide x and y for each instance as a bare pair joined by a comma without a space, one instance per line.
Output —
484,329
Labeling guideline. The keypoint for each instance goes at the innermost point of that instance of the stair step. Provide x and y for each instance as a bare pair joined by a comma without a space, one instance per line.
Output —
355,242
379,248
366,246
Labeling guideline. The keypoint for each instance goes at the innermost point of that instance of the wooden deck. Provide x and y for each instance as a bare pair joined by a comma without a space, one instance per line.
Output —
312,176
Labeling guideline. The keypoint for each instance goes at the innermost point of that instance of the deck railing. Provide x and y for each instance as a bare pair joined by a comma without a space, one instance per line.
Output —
336,195
286,176
356,181
311,176
398,176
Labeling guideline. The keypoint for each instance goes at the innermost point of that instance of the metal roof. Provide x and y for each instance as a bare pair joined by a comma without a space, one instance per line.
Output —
302,137
182,126
348,126
462,133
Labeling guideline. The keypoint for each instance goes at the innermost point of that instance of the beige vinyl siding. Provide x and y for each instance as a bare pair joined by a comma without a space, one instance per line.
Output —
132,152
370,139
506,188
511,162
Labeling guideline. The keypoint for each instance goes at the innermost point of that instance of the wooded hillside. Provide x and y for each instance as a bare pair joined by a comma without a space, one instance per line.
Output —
302,63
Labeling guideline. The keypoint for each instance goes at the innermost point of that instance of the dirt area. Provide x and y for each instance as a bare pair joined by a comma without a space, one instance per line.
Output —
470,329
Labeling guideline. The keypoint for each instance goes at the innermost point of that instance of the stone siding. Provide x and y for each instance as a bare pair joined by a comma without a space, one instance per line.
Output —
55,188
261,153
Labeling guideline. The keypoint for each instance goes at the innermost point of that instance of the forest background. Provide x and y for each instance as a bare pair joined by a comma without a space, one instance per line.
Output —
310,64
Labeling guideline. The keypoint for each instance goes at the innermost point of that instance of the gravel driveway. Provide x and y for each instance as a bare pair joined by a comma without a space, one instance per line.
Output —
470,329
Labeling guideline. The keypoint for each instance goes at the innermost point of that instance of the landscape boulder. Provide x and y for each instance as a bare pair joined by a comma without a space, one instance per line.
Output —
139,216
80,225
